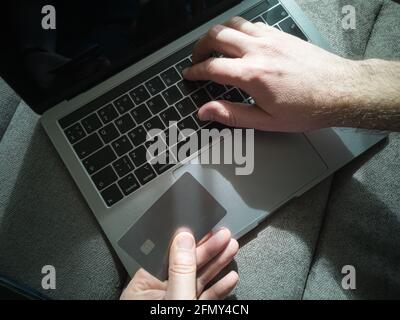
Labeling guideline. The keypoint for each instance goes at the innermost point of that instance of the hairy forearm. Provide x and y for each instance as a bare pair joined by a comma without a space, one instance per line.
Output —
370,96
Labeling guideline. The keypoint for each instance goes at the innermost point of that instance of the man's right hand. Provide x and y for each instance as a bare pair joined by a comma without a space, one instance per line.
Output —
296,85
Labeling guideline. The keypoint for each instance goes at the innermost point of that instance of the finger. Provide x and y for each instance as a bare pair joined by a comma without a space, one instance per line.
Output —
220,70
235,114
204,239
216,265
264,27
222,288
210,248
222,39
182,268
247,27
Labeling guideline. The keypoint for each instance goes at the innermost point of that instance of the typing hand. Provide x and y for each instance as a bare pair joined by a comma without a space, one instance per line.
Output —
296,85
191,269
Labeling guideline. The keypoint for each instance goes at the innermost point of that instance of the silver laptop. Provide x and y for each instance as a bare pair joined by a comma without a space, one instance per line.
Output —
110,72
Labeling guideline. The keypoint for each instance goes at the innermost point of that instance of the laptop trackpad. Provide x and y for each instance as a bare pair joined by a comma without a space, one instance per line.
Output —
187,204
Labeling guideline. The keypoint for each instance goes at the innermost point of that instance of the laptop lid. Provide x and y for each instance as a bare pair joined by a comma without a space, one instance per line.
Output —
57,49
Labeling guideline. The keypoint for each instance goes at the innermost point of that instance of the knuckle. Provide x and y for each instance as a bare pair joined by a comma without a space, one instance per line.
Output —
211,67
231,118
234,21
214,31
182,268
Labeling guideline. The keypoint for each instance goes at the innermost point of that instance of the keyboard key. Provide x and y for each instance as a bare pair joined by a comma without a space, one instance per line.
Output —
245,94
141,114
104,178
202,83
200,98
154,123
124,104
185,107
172,95
139,95
155,85
183,65
88,145
170,115
99,159
139,156
91,123
123,166
129,184
187,87
272,2
187,123
258,19
215,89
174,140
108,113
122,146
125,123
275,15
163,162
145,174
156,104
155,145
75,133
233,96
289,26
185,148
111,195
138,135
170,76
108,133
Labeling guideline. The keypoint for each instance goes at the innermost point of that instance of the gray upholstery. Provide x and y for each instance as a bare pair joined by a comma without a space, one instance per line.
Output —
362,224
45,221
8,103
361,228
297,253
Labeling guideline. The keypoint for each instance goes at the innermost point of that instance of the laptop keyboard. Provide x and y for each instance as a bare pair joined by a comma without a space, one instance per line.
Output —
109,134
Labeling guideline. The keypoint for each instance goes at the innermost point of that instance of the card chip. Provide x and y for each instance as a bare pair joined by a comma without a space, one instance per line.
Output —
147,247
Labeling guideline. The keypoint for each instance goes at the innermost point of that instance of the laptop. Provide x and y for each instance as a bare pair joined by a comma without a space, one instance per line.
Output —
111,70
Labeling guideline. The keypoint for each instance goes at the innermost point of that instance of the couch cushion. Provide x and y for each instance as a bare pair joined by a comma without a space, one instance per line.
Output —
362,227
45,221
327,16
274,259
8,103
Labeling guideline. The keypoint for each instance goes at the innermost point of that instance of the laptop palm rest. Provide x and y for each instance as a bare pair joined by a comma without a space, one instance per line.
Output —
283,164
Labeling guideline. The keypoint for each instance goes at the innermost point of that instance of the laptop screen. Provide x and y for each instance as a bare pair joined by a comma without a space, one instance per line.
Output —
54,49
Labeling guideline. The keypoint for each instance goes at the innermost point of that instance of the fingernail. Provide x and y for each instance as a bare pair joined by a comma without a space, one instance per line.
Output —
184,72
220,235
204,116
185,241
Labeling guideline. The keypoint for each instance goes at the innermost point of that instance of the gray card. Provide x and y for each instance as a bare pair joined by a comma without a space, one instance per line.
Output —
186,204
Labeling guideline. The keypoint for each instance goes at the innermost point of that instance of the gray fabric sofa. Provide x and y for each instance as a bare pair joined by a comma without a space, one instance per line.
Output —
352,218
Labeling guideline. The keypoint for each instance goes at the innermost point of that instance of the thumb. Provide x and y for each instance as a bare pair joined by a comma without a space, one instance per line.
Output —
182,268
235,114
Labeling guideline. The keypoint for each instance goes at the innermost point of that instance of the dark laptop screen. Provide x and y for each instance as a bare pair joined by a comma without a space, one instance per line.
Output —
91,41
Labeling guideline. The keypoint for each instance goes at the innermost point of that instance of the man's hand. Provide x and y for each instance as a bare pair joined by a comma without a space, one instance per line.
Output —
191,269
296,85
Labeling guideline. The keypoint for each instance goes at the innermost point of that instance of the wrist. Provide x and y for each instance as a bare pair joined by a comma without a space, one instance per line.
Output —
356,94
